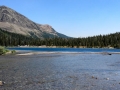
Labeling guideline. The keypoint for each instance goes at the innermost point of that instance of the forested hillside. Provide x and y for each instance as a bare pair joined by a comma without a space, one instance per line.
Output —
100,41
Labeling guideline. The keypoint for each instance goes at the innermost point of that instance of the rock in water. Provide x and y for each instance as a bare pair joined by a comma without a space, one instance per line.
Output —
107,78
109,54
2,83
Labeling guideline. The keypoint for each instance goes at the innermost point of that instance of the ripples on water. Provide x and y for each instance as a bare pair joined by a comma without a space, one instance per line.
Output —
60,72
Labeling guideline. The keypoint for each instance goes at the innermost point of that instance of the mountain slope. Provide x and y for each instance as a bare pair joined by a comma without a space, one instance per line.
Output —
12,21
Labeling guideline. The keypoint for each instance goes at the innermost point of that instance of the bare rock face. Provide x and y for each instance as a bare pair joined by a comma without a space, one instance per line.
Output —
12,21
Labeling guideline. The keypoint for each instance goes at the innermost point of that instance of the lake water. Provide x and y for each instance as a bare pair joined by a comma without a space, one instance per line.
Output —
65,49
61,71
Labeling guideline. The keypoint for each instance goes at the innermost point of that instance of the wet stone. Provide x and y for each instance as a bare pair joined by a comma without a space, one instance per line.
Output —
107,78
2,83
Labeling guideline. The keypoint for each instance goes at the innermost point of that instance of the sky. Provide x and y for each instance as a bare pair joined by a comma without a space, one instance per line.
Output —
75,18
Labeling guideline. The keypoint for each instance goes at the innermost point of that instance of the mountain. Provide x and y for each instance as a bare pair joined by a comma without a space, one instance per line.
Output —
14,22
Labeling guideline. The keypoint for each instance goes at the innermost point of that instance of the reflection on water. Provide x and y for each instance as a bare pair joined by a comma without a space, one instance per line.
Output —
60,72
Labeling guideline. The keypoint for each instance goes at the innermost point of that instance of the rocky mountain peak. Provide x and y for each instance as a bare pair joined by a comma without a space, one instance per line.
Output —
1,7
12,21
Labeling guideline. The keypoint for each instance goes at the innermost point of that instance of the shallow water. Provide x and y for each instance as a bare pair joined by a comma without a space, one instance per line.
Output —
60,71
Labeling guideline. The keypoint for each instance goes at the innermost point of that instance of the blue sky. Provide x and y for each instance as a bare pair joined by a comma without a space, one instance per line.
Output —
75,18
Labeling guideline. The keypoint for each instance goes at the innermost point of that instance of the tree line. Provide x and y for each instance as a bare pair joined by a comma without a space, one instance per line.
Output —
99,41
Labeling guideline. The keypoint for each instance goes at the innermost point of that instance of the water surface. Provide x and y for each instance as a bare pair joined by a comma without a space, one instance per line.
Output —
64,49
60,72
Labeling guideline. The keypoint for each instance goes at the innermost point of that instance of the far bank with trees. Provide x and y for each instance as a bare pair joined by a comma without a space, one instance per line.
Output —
99,41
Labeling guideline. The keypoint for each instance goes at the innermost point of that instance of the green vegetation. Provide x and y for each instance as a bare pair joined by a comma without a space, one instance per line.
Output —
13,51
100,41
3,50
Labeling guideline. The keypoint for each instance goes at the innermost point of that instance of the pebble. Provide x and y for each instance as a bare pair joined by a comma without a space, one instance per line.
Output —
2,83
107,78
94,77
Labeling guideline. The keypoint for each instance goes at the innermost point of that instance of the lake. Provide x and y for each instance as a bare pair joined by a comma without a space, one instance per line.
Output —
64,49
60,71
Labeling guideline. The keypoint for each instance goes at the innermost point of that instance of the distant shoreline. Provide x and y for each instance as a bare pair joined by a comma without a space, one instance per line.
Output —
55,50
59,47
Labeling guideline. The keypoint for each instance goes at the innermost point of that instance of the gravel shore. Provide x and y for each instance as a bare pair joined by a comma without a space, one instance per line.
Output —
60,71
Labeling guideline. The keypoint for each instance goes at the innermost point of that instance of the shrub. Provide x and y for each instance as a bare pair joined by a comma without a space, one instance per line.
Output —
3,50
13,51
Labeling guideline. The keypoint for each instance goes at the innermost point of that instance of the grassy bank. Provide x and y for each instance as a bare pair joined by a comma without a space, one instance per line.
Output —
3,50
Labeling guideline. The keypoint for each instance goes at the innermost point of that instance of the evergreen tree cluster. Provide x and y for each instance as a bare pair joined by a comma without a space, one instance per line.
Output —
100,41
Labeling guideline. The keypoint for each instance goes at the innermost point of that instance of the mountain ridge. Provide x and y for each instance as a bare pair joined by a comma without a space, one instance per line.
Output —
14,22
